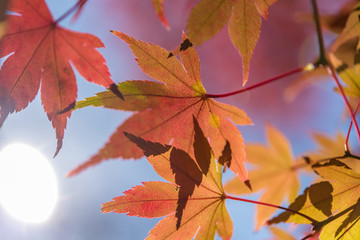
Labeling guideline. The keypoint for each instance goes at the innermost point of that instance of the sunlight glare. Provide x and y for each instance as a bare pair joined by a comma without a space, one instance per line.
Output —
28,186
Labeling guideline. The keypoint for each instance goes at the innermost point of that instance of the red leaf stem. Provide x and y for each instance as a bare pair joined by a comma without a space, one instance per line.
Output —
348,133
347,104
289,73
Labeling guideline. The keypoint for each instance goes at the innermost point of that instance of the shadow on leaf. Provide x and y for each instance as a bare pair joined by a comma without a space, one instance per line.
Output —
188,173
149,148
202,148
320,197
225,158
352,218
332,162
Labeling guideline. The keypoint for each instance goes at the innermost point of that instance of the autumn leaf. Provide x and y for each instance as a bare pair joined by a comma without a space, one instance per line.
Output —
208,17
350,75
351,30
41,49
304,81
336,22
333,203
193,201
263,6
274,171
280,234
331,147
163,111
159,9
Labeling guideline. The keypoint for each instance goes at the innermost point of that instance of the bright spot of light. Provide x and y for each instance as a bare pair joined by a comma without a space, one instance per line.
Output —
28,186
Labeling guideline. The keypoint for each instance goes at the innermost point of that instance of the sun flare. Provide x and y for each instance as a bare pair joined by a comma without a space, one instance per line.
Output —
28,186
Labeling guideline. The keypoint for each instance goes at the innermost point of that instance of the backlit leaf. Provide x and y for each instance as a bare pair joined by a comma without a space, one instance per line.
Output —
341,219
208,17
263,6
330,147
164,111
42,50
274,172
159,9
193,202
351,30
244,31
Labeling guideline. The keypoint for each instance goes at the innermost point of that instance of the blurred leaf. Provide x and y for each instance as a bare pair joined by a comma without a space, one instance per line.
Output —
159,9
208,17
336,22
351,30
304,81
274,172
280,234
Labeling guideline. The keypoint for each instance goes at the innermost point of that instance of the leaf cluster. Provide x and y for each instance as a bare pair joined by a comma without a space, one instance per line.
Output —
188,137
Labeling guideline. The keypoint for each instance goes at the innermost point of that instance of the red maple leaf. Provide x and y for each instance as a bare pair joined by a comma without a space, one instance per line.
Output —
42,50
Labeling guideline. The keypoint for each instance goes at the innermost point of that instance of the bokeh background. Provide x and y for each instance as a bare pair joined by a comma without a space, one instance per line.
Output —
287,41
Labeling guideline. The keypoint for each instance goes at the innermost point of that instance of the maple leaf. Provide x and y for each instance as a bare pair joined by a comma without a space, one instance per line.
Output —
193,202
350,75
351,30
274,172
159,9
280,234
164,110
333,203
304,81
208,17
331,147
336,22
41,49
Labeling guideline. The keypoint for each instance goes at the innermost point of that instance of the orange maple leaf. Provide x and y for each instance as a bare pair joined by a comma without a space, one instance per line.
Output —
41,49
193,202
164,110
274,172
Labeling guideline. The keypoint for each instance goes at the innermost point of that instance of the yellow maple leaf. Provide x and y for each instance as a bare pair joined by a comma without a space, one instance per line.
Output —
274,171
